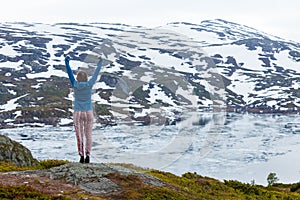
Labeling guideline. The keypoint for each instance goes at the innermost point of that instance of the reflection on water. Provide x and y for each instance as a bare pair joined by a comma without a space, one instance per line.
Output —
222,145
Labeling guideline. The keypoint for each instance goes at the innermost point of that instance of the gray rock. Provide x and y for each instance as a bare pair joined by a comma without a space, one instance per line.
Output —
74,172
89,177
102,186
11,151
93,177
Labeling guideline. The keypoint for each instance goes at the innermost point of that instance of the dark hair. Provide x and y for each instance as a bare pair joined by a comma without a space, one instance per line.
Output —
82,76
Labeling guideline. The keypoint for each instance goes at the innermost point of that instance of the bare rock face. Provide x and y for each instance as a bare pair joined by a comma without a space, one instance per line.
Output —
12,151
94,177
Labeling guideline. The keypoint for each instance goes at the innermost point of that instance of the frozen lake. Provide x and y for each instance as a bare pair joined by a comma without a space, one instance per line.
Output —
229,146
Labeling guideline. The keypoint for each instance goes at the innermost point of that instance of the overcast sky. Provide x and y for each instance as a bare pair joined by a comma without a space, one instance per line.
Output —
276,17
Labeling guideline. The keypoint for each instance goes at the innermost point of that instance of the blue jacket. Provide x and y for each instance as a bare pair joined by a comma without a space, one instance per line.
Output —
82,90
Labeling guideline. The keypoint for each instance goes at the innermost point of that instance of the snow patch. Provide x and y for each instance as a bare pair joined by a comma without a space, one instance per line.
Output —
11,104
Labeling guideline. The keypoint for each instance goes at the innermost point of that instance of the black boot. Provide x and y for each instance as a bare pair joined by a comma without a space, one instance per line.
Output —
81,159
87,159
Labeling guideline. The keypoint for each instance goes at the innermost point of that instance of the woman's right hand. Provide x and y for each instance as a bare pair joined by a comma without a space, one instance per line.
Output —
67,58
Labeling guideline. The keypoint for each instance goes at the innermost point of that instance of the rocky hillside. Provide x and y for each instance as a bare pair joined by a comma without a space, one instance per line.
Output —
149,75
12,151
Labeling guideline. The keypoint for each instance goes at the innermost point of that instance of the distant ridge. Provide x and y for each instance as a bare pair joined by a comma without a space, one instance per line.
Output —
151,75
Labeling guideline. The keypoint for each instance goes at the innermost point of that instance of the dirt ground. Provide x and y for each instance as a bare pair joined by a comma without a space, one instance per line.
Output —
42,184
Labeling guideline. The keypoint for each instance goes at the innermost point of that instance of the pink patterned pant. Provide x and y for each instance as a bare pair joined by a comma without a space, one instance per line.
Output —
83,122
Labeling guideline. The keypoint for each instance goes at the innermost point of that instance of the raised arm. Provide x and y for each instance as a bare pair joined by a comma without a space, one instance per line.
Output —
97,70
69,70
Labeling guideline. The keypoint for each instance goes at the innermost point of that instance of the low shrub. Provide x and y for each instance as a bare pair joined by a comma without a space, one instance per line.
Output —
47,164
25,192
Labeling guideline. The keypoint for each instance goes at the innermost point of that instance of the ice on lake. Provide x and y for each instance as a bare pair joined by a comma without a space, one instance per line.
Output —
231,146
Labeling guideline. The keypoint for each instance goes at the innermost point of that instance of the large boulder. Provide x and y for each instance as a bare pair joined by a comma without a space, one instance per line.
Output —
12,151
96,178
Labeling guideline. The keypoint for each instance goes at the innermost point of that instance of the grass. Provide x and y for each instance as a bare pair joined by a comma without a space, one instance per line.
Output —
44,164
193,186
260,192
25,192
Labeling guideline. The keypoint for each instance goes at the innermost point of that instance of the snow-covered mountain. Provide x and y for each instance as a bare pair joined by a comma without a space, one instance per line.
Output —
149,75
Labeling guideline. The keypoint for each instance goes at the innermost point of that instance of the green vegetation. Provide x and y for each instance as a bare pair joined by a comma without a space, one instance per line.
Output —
44,164
7,167
43,112
294,187
200,91
272,179
249,191
141,95
43,102
193,186
47,164
102,109
25,192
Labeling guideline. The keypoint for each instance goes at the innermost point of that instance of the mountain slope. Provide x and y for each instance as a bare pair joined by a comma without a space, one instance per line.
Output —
149,75
263,69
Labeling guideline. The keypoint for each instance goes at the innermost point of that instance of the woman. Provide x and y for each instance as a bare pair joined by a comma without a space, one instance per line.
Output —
83,109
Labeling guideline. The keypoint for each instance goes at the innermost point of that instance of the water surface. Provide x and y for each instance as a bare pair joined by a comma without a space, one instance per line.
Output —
242,147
